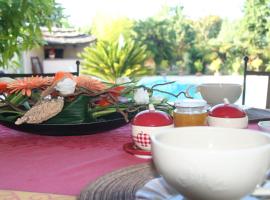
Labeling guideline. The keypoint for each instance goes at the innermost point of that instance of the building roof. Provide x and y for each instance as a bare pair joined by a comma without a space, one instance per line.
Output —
66,36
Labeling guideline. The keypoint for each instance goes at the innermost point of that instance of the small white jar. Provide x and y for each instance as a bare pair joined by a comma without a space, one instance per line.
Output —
227,115
146,123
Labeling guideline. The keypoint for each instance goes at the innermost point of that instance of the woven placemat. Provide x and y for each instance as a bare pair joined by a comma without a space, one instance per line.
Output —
121,184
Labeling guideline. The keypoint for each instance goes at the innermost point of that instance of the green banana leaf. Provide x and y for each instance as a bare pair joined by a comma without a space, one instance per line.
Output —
17,98
9,116
73,112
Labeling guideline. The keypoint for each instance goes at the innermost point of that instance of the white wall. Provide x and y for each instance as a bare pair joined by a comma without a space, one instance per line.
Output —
70,54
55,65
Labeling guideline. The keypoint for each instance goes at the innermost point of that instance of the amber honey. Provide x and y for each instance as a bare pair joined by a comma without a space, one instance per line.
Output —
190,119
190,112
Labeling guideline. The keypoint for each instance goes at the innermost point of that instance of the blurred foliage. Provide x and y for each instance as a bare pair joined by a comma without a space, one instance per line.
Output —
255,33
209,45
162,34
20,22
172,43
181,42
109,29
158,38
208,27
58,18
256,22
111,60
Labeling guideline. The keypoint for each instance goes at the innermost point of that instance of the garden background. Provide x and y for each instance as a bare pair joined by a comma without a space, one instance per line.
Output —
168,42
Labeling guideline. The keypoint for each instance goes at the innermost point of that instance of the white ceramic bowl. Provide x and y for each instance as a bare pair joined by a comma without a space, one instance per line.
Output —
214,93
210,163
241,122
264,126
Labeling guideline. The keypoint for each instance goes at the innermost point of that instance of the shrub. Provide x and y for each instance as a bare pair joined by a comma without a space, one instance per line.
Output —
111,60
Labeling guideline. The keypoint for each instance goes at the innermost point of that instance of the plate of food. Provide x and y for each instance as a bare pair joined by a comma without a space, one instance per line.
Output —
68,129
71,105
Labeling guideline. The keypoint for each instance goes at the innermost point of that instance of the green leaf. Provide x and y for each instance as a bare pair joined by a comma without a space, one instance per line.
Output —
20,27
109,60
9,116
17,99
74,112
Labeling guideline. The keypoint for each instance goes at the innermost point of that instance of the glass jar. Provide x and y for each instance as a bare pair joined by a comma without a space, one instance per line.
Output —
190,112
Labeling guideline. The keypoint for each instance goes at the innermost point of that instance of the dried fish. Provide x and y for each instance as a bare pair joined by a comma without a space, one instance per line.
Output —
42,111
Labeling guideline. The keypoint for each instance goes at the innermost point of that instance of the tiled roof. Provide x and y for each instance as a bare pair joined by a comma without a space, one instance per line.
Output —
66,36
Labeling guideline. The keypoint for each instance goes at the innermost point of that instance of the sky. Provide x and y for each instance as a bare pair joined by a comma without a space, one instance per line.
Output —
82,12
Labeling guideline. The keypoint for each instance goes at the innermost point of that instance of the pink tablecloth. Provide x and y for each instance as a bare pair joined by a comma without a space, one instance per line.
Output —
62,165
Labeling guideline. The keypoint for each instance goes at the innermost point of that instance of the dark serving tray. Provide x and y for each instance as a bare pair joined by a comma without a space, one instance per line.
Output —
67,129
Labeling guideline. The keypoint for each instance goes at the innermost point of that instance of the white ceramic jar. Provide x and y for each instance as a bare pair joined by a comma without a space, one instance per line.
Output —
146,123
227,115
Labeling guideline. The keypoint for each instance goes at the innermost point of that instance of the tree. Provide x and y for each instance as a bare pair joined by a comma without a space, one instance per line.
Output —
162,34
196,49
58,17
158,37
107,29
20,22
256,22
208,27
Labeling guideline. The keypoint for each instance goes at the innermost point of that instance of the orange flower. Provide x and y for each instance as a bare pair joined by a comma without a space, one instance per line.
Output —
60,75
3,87
90,83
26,85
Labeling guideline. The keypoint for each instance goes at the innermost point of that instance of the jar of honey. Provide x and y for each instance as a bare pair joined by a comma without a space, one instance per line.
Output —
190,112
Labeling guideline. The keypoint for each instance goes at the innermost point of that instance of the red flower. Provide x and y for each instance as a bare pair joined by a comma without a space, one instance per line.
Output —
3,87
60,75
115,92
103,102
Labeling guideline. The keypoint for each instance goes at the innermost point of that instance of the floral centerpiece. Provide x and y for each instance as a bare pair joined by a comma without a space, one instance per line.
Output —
68,99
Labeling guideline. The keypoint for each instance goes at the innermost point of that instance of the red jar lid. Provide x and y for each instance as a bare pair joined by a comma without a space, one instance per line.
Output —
227,111
152,118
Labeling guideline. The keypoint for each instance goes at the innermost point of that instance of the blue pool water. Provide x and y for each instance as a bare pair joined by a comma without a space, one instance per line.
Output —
173,88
